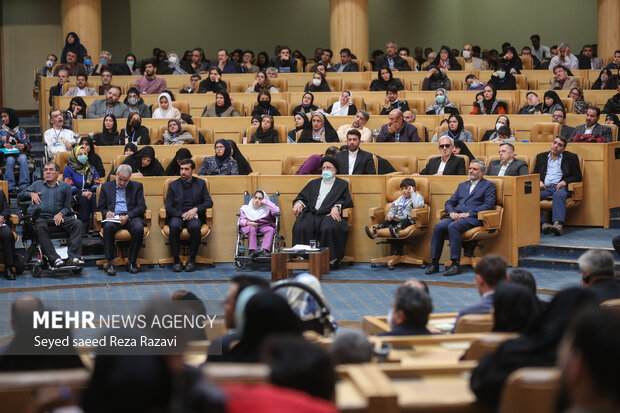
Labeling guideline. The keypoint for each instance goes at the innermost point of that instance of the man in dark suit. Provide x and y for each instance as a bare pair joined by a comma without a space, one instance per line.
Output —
490,271
284,62
397,130
186,205
6,238
592,127
559,116
410,312
392,60
507,165
597,270
557,169
462,208
446,164
346,65
355,161
123,201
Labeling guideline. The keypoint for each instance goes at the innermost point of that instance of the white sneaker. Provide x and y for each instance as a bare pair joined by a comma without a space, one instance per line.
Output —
59,263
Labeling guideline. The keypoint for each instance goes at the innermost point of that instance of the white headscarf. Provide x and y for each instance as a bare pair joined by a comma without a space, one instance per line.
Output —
338,110
254,214
301,302
166,113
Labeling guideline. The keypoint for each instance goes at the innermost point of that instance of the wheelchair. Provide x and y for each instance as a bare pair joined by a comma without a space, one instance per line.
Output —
31,243
242,255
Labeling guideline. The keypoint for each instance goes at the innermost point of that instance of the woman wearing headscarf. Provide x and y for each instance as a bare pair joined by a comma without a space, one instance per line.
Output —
175,135
93,159
385,79
516,309
460,148
301,122
72,43
221,163
222,109
445,60
552,102
134,131
265,133
109,135
436,79
305,306
258,217
264,106
319,130
489,105
252,309
130,149
165,109
307,104
442,104
174,168
581,106
456,130
175,65
262,60
144,163
15,137
612,119
491,134
318,83
262,83
502,79
213,83
77,108
344,106
243,166
604,81
84,180
512,61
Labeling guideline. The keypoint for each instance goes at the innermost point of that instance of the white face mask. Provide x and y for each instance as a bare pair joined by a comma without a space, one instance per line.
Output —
466,54
173,60
390,320
316,82
498,125
49,63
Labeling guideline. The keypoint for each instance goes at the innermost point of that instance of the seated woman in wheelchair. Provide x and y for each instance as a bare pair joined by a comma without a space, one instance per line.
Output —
399,216
258,217
84,180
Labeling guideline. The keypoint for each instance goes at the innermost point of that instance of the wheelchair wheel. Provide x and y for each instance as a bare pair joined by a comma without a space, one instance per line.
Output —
36,271
77,270
240,264
19,264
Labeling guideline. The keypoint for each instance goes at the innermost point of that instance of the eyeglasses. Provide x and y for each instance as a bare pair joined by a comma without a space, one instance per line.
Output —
445,145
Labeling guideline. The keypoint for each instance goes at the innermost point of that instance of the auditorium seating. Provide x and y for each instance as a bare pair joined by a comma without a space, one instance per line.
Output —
403,164
575,193
544,131
281,129
474,323
158,139
531,389
486,344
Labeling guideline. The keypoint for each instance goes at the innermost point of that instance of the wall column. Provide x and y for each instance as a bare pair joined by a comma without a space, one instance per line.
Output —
84,18
608,27
349,27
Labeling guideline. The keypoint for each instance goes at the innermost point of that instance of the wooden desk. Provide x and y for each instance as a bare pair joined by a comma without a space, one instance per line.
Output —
283,264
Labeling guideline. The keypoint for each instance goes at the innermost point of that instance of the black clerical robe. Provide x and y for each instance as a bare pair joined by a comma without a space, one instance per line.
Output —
313,224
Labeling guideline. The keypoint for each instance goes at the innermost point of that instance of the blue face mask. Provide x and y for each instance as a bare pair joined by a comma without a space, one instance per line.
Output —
501,75
87,62
129,63
83,159
474,84
327,175
440,99
103,61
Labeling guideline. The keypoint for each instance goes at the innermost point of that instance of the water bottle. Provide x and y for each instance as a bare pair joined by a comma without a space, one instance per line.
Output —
397,137
375,133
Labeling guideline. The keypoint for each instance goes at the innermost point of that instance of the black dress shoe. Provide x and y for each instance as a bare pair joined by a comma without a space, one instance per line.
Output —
177,267
110,271
131,268
10,274
432,269
190,267
453,270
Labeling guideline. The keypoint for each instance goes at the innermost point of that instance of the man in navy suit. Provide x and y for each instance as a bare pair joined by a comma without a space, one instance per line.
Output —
123,199
462,208
490,271
187,201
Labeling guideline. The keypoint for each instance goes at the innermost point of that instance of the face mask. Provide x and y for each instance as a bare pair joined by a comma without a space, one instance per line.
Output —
264,104
440,99
474,84
103,61
173,60
466,54
604,78
82,159
132,101
327,175
129,63
49,63
390,320
87,62
501,75
135,123
498,125
316,82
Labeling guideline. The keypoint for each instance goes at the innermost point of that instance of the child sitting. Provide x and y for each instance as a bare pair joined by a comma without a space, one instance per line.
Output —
399,216
258,217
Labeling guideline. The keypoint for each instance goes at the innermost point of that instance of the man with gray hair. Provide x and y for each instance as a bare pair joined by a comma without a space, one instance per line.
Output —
272,73
392,60
597,270
472,196
350,346
409,313
359,123
122,204
447,163
564,58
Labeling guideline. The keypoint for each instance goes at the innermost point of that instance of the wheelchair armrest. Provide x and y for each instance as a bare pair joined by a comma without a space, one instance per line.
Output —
421,216
377,215
577,190
148,216
492,219
441,214
162,217
97,218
